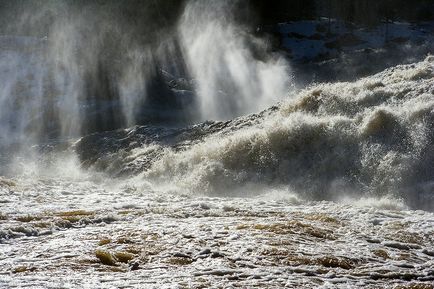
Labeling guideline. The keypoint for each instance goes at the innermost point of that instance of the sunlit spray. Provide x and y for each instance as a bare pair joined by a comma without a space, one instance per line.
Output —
230,81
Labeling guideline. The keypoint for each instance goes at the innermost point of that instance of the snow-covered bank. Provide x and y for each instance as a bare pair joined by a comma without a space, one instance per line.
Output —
321,39
323,51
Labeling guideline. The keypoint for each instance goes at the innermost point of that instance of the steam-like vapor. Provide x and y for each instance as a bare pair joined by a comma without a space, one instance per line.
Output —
132,85
230,80
22,80
89,67
78,72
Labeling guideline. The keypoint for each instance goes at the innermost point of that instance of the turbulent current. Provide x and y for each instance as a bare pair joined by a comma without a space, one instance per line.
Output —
139,151
369,138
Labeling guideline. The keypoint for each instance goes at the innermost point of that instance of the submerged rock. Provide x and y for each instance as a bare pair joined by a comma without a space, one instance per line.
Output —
106,257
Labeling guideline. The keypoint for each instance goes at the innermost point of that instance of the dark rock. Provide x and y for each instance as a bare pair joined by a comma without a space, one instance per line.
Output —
296,35
217,255
206,251
134,266
348,39
181,255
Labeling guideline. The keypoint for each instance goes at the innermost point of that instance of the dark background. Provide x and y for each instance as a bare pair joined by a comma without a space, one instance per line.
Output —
110,27
363,12
152,15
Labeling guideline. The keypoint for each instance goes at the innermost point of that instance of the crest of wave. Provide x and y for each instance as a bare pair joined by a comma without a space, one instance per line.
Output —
372,137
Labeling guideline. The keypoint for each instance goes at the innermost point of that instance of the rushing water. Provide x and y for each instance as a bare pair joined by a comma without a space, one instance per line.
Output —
372,137
281,188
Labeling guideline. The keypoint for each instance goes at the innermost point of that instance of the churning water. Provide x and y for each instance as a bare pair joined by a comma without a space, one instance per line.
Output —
372,137
98,189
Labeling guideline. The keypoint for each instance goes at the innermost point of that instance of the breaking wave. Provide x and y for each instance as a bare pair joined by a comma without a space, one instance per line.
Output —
372,137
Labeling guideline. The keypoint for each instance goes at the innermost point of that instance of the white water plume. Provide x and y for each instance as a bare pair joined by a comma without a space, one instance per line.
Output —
132,85
68,70
230,81
21,94
370,138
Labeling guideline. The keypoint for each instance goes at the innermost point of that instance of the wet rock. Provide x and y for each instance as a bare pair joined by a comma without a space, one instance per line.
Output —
105,257
27,231
7,182
134,266
206,251
381,253
181,255
401,246
103,242
405,265
217,255
217,272
204,206
22,269
428,252
178,261
373,241
376,222
124,257
334,262
106,219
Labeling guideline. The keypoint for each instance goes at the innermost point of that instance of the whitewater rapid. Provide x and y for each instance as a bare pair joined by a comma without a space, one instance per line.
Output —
60,233
330,186
242,203
368,138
